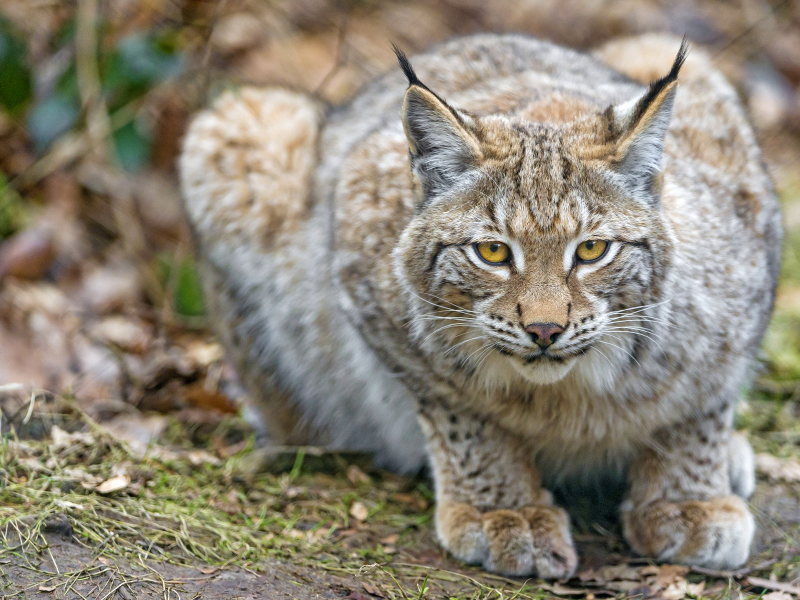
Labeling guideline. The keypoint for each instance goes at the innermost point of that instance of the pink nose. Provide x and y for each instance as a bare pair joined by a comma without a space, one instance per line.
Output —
544,334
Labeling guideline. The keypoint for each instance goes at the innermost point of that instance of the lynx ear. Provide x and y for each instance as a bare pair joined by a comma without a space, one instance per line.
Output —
443,151
637,129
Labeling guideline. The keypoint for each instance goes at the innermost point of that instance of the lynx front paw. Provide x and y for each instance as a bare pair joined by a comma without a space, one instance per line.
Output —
714,533
534,540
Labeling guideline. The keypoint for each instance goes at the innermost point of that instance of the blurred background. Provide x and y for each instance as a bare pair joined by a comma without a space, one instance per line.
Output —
98,294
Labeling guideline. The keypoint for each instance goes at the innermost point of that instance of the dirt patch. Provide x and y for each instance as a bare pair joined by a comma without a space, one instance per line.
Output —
82,574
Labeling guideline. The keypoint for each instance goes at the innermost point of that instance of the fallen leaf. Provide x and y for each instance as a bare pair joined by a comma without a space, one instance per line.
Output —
675,591
63,439
359,511
199,457
236,32
318,534
611,573
124,333
415,501
778,469
48,588
776,596
111,287
666,575
624,585
295,534
561,590
390,539
343,533
697,589
197,395
373,589
65,504
640,593
28,254
356,475
114,484
204,353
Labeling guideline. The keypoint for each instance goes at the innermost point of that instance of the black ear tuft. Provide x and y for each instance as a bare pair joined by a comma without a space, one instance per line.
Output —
659,84
407,68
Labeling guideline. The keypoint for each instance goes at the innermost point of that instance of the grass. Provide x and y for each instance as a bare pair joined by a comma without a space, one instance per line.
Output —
177,512
186,509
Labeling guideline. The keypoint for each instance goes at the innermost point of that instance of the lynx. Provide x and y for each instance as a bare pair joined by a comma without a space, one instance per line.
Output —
515,263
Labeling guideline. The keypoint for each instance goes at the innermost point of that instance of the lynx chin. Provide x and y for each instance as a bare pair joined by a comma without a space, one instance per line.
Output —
513,262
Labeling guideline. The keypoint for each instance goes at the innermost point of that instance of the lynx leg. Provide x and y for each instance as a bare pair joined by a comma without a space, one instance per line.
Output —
682,506
491,509
741,466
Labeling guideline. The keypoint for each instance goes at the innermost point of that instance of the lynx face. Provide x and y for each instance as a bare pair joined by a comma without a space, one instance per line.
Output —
535,245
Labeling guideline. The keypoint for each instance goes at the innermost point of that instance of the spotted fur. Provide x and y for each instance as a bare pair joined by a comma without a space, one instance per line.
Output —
338,255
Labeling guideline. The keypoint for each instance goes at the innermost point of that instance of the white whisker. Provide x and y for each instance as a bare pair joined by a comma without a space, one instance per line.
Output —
620,348
435,331
449,350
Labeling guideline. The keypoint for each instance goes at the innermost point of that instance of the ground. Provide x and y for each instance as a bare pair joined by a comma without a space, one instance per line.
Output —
126,470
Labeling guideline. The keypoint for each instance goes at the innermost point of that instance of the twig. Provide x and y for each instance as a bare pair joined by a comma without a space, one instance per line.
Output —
738,574
341,58
748,30
773,585
30,408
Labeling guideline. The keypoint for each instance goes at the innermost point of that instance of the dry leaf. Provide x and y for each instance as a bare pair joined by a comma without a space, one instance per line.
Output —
204,353
48,588
777,596
29,253
237,32
415,501
666,574
317,534
122,332
114,484
611,573
561,590
356,475
697,589
675,591
373,589
778,469
390,539
359,511
65,504
63,439
295,534
198,457
624,585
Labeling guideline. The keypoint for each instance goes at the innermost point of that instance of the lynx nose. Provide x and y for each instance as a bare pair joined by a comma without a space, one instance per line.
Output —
544,334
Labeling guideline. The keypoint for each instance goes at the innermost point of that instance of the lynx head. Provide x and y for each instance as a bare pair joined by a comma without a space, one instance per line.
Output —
532,236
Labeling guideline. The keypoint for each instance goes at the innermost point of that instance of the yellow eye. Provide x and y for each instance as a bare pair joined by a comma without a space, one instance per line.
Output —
493,252
591,250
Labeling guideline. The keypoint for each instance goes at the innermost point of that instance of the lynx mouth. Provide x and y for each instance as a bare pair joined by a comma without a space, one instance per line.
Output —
543,357
543,367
